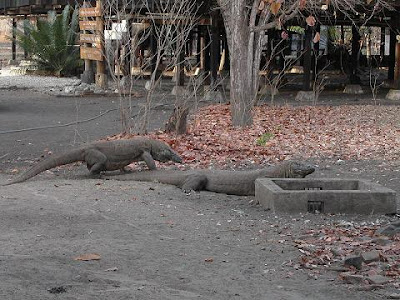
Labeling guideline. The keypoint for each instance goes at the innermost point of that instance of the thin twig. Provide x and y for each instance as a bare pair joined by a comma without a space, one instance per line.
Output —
1,157
58,126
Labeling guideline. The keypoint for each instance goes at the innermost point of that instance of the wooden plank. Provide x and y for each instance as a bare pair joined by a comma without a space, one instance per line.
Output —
91,25
89,38
90,12
91,53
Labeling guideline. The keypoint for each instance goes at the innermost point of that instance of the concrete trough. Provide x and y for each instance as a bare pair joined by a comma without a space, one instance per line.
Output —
328,195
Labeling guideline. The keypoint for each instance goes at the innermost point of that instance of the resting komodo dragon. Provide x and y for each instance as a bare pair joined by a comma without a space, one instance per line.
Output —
107,156
220,181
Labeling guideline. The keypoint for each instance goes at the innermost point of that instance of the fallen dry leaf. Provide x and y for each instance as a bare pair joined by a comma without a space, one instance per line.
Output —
88,256
275,7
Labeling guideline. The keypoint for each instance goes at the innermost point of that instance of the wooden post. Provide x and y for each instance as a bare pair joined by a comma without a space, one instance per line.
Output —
397,64
392,54
88,75
101,78
355,54
14,43
202,48
92,42
214,47
25,52
207,57
382,45
153,49
198,46
342,34
307,59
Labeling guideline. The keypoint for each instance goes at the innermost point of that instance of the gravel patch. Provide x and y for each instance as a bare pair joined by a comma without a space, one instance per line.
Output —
38,83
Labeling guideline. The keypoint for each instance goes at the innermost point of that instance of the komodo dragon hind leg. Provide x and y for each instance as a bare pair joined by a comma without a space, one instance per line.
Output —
194,182
95,161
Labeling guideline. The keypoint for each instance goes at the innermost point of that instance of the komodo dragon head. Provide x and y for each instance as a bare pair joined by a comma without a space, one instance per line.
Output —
295,169
163,152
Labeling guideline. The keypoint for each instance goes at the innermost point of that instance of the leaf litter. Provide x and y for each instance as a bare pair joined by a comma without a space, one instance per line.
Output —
344,132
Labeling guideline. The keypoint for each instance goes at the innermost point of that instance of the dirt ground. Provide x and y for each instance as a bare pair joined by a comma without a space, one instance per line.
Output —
154,242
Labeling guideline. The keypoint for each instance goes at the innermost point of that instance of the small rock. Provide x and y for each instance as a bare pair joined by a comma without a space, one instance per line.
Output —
147,85
98,90
389,230
353,279
307,96
394,296
308,247
57,290
354,89
344,223
338,269
370,256
268,90
378,279
355,261
382,241
69,89
393,95
337,252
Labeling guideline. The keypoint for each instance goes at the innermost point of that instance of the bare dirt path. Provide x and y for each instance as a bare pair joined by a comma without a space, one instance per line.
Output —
154,241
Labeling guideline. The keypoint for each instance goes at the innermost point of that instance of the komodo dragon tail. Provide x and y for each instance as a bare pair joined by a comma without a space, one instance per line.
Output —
49,163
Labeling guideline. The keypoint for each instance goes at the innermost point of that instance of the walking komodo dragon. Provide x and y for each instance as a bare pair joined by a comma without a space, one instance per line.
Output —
220,181
108,156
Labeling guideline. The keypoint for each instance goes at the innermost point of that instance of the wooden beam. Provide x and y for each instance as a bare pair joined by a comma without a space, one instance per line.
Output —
89,38
91,25
91,53
90,12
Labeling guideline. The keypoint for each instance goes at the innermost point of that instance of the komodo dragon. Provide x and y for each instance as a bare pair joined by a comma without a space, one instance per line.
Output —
220,181
107,156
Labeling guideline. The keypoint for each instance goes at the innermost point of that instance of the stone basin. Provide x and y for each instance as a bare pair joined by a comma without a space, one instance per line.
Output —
327,195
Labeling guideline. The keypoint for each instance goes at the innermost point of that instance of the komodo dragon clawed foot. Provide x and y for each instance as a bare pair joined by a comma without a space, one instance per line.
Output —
194,182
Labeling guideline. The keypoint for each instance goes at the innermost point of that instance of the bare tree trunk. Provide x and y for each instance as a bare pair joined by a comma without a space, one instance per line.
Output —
241,49
241,93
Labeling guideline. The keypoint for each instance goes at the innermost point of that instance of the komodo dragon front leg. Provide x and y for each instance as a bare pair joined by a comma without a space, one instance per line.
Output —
148,159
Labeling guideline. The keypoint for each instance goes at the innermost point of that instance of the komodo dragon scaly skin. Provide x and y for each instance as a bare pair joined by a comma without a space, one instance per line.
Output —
220,181
108,156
